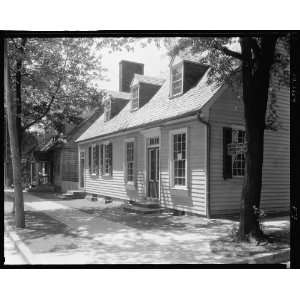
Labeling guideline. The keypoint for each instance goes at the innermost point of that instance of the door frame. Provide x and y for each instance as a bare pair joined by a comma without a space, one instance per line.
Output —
149,148
151,133
79,182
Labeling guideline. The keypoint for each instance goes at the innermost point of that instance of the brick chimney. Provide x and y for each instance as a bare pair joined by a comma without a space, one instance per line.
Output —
127,69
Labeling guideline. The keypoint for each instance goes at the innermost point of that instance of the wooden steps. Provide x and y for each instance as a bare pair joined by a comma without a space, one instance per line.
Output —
143,207
43,188
73,194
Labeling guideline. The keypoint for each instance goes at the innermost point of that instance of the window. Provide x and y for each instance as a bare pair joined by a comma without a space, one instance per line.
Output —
107,159
135,98
107,109
130,161
238,159
90,159
95,159
179,159
153,141
177,79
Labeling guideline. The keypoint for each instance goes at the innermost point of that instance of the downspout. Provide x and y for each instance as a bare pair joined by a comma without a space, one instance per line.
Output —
200,119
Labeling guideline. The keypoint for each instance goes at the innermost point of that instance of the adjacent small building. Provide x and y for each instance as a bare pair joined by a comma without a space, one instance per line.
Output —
180,141
56,163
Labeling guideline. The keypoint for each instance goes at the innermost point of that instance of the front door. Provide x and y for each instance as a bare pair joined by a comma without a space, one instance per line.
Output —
81,167
153,172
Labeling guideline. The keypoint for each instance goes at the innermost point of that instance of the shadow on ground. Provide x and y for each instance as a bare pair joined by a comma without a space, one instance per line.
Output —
130,238
164,221
43,233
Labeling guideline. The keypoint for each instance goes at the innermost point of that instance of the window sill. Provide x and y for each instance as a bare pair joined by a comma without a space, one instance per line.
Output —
180,187
176,95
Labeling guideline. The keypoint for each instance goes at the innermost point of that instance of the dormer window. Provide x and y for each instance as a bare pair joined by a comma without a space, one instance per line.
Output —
107,110
135,98
177,79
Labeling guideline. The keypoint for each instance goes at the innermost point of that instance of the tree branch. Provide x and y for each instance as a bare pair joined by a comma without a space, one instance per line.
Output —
47,109
229,52
50,103
254,46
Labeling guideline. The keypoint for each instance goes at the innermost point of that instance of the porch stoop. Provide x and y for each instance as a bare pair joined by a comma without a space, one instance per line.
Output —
143,207
73,194
43,188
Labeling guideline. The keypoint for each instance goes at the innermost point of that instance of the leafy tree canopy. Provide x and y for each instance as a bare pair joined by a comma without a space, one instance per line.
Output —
56,78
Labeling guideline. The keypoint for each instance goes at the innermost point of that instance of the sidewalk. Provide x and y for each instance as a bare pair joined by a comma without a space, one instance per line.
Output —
85,232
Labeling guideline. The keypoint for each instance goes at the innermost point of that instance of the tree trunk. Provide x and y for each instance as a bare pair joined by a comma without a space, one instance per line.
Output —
19,66
256,78
14,146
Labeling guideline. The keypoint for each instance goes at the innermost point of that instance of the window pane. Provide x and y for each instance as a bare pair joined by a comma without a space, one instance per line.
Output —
238,162
135,98
95,159
238,167
130,160
177,79
179,145
176,88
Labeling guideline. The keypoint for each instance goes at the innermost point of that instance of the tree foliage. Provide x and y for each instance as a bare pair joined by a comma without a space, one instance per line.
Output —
56,78
252,64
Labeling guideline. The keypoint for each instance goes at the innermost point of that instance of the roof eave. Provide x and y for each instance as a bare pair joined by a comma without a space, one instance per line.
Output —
153,123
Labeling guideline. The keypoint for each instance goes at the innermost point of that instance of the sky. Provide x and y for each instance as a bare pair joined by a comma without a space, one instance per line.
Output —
156,63
155,60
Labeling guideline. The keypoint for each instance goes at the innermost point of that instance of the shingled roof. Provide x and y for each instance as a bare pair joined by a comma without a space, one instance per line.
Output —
119,95
159,108
147,79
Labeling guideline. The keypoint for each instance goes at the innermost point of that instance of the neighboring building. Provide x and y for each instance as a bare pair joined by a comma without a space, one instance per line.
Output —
180,142
56,163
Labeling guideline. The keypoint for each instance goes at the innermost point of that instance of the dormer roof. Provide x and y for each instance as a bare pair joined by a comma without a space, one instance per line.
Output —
119,95
159,109
116,95
146,79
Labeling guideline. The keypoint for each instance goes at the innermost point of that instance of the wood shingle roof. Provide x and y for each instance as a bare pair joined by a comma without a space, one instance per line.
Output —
159,108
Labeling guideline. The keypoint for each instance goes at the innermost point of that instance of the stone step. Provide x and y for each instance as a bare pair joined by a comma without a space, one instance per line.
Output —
70,196
140,209
145,203
42,188
76,192
73,194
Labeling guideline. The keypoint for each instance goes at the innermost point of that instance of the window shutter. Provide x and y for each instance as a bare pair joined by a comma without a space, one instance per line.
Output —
125,162
90,159
110,159
97,159
227,159
101,159
135,163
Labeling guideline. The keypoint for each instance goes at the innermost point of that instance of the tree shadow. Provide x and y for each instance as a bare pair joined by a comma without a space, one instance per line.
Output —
159,221
227,246
45,196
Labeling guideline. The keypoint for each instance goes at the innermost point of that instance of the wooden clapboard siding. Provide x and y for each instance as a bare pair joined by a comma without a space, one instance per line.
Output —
68,185
70,162
193,200
276,168
57,167
114,186
225,194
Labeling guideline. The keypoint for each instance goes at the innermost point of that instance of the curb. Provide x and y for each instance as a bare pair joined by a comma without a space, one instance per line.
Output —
281,256
19,244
